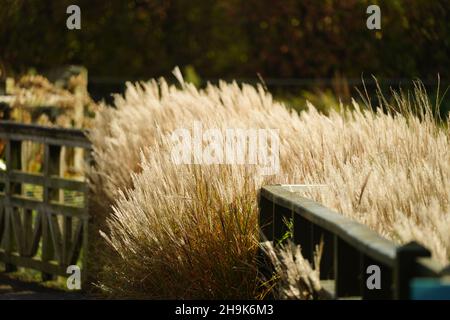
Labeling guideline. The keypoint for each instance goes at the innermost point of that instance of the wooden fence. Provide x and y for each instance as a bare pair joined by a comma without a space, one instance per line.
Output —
48,234
349,247
43,233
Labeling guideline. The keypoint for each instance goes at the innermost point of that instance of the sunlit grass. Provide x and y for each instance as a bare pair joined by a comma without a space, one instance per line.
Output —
190,231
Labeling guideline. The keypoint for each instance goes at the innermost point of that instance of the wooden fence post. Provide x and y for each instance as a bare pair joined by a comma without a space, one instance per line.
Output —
266,219
13,155
346,269
51,167
405,267
320,235
303,236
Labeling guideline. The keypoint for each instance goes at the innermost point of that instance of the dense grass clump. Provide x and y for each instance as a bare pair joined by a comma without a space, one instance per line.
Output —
190,231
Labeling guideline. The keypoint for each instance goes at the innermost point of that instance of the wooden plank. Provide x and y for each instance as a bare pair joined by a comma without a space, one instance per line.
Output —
67,184
281,218
6,243
405,268
17,230
52,141
51,135
66,239
48,249
86,231
327,260
56,238
37,233
303,237
77,242
346,269
23,177
364,239
39,179
66,210
13,162
2,221
266,218
7,234
52,168
25,262
27,230
85,246
25,202
56,208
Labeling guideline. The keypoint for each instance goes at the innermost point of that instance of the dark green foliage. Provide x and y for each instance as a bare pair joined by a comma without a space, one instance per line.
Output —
230,38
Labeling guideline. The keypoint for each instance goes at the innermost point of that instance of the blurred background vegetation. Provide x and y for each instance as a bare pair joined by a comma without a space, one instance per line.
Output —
296,46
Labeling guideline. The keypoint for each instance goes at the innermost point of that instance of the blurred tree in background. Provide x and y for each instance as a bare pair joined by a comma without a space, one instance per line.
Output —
229,38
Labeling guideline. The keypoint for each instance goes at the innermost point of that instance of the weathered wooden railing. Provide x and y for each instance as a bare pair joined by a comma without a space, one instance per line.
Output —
349,247
43,233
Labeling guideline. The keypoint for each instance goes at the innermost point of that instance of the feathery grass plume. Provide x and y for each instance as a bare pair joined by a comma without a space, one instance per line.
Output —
297,279
190,231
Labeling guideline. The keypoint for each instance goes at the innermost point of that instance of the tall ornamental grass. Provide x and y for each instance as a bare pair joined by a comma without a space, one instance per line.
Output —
190,231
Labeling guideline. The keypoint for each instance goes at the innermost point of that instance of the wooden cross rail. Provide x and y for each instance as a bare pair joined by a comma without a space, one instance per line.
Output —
43,233
349,247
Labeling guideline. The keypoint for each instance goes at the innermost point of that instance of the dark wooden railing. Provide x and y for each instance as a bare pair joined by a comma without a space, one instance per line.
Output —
44,233
349,247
